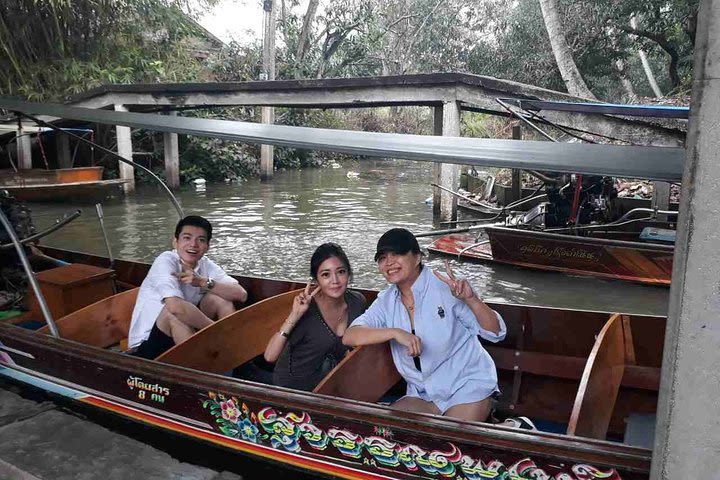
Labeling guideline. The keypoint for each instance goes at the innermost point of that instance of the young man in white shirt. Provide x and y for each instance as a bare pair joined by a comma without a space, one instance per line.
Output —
182,293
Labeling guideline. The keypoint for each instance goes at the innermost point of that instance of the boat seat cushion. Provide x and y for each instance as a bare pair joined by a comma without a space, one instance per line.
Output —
640,430
658,234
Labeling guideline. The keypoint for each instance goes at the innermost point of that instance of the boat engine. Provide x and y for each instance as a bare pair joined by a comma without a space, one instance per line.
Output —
595,204
19,216
13,282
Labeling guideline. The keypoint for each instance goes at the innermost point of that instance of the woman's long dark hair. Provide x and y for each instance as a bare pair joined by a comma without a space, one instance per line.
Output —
325,251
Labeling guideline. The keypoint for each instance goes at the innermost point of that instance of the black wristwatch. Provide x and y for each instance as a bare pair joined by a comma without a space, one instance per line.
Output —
210,284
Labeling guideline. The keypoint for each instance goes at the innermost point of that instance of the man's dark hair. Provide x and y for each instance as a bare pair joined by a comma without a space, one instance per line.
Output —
325,251
194,221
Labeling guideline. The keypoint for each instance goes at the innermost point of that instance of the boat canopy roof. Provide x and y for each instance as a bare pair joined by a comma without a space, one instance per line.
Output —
653,163
650,111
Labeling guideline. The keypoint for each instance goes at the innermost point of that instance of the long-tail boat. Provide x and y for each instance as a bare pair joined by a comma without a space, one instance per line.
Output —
576,224
580,229
585,394
588,380
606,256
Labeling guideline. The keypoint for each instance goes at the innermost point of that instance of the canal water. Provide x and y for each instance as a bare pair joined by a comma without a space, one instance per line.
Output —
271,229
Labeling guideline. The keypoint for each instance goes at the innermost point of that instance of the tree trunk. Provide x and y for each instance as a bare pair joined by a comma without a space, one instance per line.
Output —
303,40
646,65
283,21
563,56
621,69
625,80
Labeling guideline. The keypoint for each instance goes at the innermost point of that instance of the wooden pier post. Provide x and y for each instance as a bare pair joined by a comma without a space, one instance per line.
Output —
687,437
124,149
172,157
62,145
447,123
24,149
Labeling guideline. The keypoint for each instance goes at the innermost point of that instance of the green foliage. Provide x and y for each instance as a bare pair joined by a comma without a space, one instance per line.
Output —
216,160
515,44
236,63
297,158
480,125
56,48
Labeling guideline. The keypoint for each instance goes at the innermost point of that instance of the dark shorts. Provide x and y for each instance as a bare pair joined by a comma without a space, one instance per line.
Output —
156,344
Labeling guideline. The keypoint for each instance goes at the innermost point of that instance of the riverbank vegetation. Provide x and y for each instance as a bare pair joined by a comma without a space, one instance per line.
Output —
617,51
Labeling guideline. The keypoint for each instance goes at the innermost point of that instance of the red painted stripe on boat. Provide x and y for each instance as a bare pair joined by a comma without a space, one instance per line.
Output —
236,444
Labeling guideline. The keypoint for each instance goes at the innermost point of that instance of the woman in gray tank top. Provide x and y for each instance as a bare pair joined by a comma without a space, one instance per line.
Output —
309,343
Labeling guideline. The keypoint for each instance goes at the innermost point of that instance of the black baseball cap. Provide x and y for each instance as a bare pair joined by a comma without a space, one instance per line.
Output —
397,240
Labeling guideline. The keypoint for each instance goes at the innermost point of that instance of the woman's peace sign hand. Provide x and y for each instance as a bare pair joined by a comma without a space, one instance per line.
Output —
302,301
460,288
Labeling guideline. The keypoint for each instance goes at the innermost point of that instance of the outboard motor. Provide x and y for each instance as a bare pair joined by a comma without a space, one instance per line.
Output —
596,204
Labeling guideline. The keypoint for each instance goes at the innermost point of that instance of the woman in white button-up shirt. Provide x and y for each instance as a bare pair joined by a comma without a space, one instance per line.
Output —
432,322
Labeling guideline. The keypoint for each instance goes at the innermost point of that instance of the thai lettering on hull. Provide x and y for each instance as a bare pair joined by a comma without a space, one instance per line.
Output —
573,253
149,391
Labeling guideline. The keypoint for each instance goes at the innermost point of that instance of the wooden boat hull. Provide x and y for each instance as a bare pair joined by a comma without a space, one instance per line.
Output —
60,192
612,259
339,432
335,437
37,176
36,185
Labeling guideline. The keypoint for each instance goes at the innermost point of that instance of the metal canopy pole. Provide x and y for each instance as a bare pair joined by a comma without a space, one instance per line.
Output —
31,276
101,218
653,163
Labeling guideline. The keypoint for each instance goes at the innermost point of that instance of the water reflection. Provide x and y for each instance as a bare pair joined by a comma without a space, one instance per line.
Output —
271,229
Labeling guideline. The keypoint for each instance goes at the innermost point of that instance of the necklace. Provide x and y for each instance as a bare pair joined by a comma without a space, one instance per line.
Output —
410,307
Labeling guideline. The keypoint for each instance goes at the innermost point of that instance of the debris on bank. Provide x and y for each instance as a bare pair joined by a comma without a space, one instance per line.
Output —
643,189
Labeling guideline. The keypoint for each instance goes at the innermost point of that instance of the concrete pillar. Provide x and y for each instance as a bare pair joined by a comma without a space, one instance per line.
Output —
661,190
447,123
24,150
437,130
267,152
124,148
172,157
268,73
661,198
62,145
687,439
516,174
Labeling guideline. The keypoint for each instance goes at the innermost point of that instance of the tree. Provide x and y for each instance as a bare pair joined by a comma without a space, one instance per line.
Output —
303,40
597,34
56,48
563,56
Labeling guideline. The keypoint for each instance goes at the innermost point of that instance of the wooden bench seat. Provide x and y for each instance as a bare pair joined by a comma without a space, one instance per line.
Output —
101,324
365,374
233,340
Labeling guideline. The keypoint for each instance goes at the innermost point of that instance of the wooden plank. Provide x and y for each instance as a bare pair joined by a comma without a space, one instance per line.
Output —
101,324
629,344
233,340
365,374
600,383
571,368
520,345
